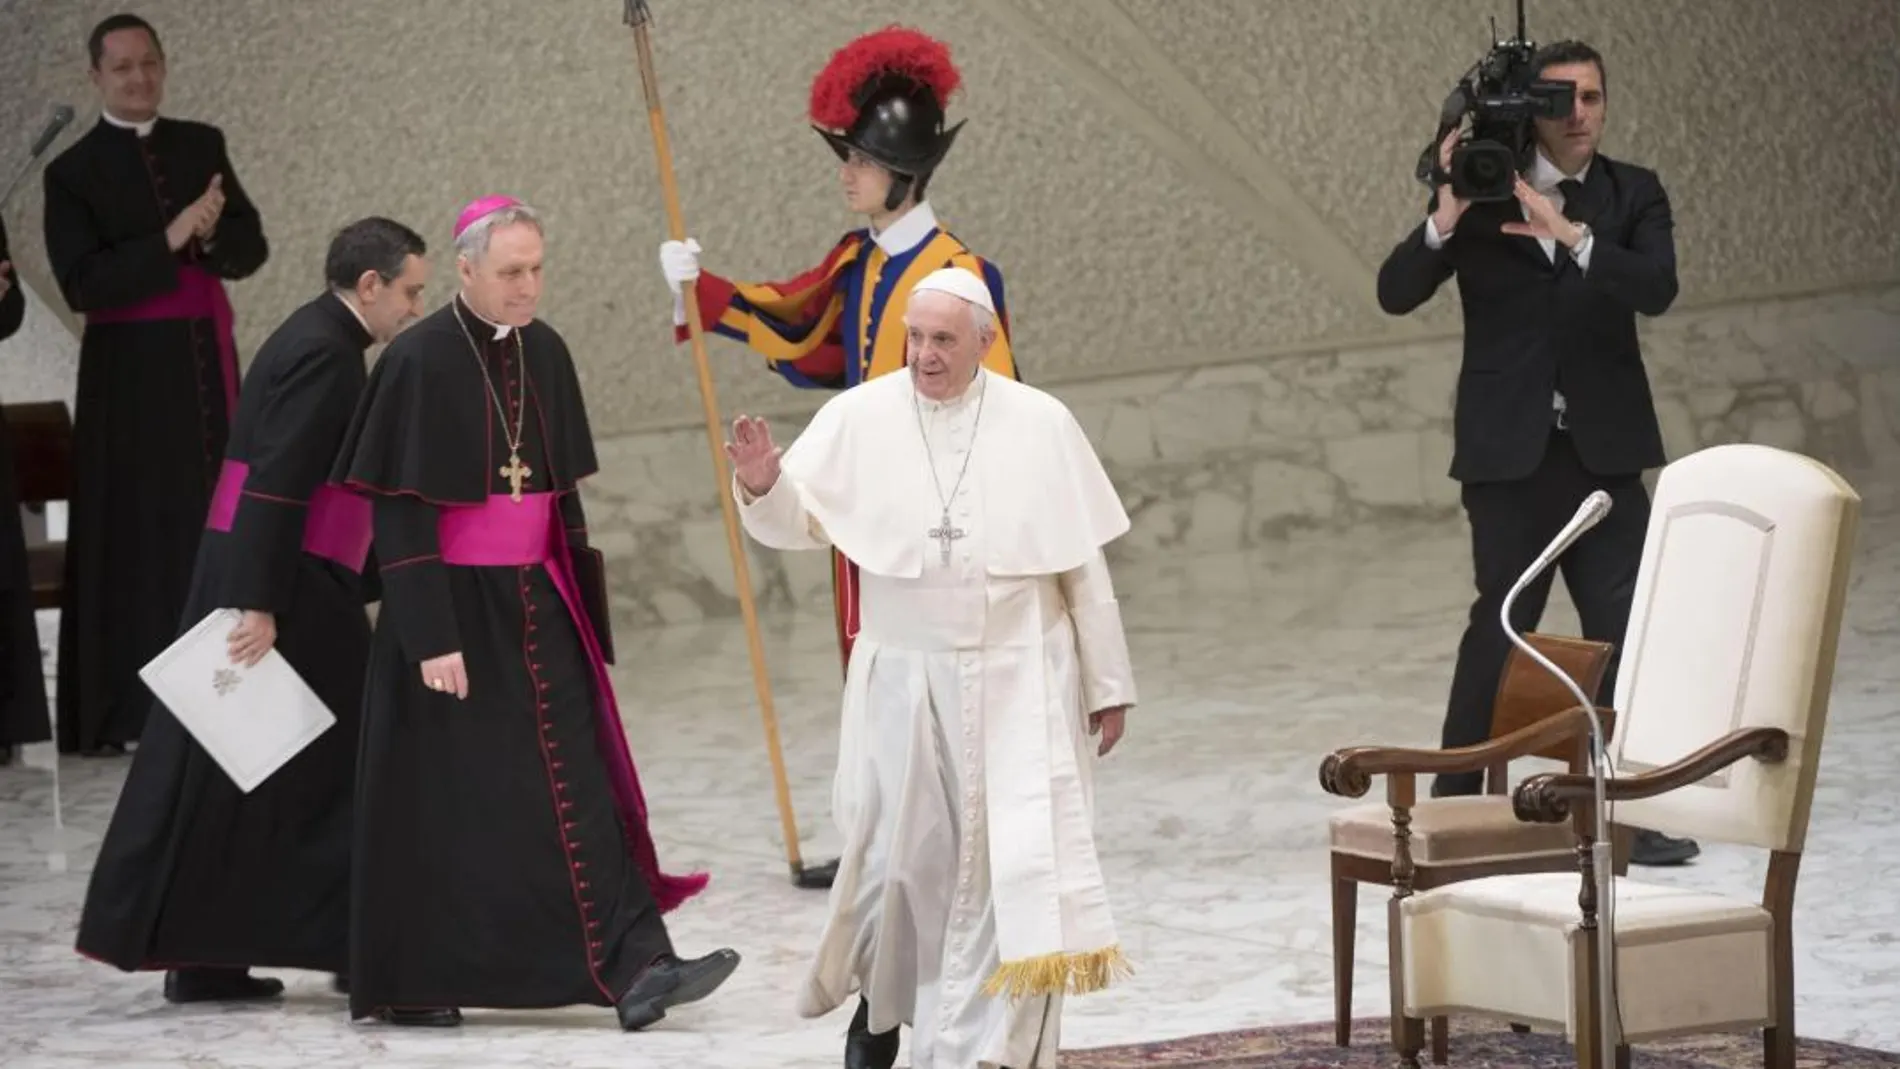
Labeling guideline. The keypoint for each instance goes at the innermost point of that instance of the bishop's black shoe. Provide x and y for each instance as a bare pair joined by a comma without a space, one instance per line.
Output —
440,1017
670,982
864,1049
219,985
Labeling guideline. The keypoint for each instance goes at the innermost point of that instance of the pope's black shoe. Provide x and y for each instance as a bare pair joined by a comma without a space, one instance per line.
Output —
219,985
670,982
865,1050
441,1017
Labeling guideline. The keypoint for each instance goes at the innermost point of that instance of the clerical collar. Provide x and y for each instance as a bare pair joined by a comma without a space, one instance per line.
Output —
501,331
347,303
143,129
969,394
1545,175
908,232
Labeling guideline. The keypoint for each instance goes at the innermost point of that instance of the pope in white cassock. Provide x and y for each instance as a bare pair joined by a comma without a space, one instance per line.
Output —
969,897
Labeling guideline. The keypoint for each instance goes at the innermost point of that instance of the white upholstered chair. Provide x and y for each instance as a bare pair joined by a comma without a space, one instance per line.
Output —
1722,699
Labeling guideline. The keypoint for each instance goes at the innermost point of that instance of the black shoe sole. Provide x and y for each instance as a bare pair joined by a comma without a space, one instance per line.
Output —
271,991
424,1019
645,1014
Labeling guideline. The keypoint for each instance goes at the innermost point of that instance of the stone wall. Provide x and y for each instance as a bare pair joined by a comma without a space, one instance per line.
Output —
1165,184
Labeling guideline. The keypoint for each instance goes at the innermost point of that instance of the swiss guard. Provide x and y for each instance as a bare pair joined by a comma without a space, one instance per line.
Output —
879,104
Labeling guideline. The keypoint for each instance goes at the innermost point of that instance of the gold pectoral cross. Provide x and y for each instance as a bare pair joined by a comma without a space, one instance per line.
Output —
515,472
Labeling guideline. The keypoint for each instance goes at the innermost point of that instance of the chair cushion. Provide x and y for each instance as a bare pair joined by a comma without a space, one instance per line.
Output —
1686,961
1466,828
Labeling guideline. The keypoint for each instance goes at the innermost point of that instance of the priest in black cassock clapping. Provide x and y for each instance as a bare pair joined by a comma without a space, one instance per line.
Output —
503,857
145,221
22,679
192,869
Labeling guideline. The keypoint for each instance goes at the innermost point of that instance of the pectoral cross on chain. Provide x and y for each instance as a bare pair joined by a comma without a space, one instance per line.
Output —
515,472
946,534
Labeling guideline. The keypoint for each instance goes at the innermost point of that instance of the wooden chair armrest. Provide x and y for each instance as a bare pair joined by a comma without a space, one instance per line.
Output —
1348,773
1546,798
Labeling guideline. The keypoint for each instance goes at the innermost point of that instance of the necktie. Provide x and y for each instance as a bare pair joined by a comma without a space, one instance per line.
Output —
1571,189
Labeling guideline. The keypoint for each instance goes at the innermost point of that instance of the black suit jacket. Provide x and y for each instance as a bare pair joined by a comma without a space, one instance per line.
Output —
13,305
1532,327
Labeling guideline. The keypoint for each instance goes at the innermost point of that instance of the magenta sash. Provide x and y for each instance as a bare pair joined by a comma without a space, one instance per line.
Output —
507,533
199,295
336,528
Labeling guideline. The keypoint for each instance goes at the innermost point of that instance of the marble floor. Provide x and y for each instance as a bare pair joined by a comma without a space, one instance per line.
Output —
1212,823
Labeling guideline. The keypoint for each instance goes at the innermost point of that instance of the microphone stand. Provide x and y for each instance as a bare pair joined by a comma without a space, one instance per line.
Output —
1592,511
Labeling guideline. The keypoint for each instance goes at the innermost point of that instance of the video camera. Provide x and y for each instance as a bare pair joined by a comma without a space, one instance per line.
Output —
1503,95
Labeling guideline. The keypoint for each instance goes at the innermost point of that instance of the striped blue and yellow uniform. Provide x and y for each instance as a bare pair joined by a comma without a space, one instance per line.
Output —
842,322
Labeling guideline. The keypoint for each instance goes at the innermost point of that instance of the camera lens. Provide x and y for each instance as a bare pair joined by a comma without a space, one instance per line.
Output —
1483,171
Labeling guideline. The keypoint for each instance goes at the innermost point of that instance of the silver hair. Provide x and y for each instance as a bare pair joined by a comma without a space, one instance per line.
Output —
982,320
472,244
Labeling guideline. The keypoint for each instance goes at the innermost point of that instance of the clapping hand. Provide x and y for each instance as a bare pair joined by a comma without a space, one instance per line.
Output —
200,217
212,206
754,458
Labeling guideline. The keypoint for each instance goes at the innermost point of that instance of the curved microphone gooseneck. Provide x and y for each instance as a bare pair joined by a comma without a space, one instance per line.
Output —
1589,514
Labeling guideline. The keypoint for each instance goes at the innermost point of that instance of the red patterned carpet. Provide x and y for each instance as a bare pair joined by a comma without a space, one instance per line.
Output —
1473,1044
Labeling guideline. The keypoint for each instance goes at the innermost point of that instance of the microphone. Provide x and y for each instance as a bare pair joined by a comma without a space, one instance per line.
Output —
62,118
1589,514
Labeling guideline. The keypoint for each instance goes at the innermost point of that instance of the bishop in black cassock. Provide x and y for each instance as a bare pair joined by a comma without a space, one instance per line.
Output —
503,857
22,675
158,378
192,870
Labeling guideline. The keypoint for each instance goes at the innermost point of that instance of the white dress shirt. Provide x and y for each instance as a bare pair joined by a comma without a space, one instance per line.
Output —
1544,178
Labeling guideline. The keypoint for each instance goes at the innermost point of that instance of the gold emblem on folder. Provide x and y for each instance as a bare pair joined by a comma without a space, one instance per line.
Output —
224,681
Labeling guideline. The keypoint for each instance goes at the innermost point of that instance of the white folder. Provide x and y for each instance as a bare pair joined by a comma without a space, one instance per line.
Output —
251,720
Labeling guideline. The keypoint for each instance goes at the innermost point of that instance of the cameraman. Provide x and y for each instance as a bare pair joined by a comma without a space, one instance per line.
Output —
1553,402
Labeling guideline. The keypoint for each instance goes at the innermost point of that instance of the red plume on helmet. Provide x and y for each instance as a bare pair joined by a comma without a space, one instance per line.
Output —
837,94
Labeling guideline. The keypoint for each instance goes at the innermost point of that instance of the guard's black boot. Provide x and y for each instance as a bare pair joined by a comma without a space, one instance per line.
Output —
670,982
865,1050
219,985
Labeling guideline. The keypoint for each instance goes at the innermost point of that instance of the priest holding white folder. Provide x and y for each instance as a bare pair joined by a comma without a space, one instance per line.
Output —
198,875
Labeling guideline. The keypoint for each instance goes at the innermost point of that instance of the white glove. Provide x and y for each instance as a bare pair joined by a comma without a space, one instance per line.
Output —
679,262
